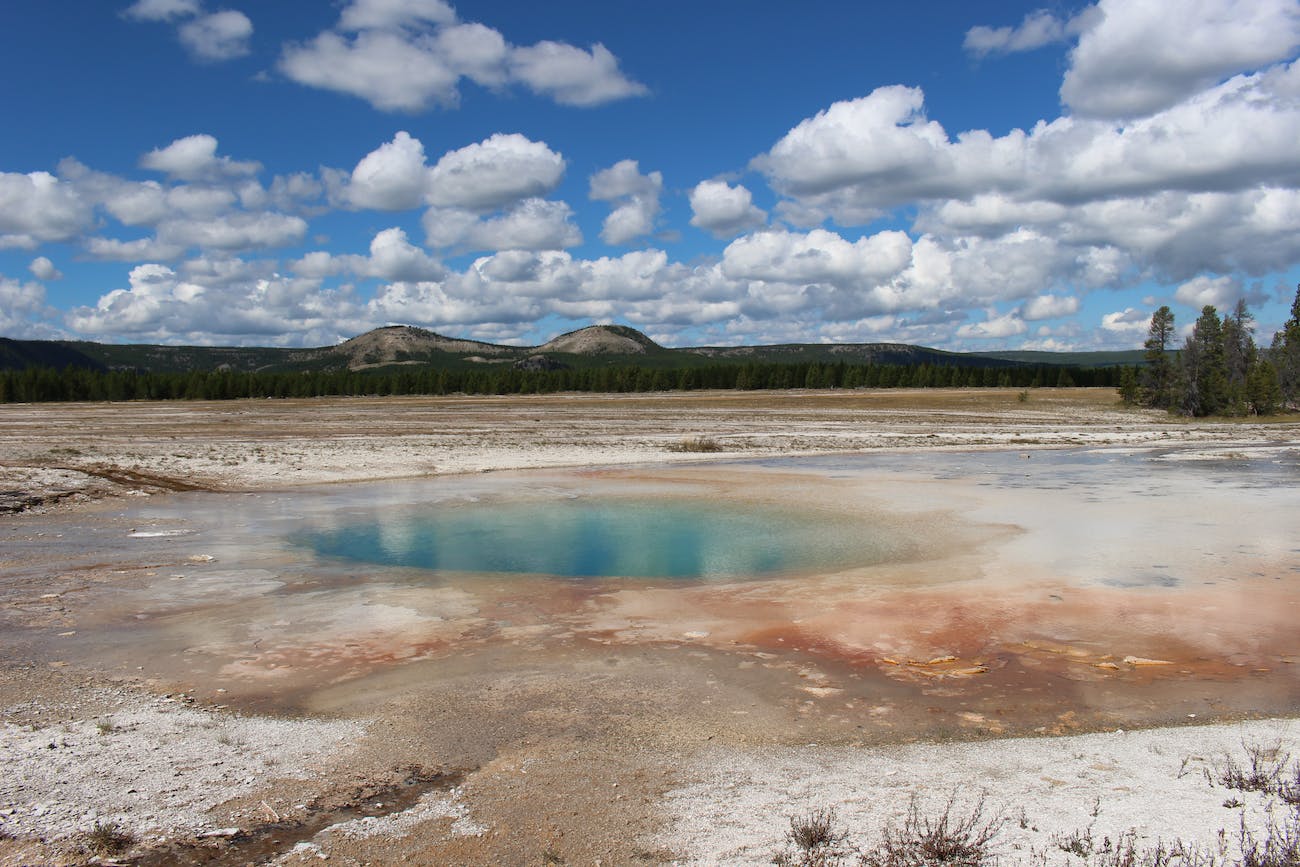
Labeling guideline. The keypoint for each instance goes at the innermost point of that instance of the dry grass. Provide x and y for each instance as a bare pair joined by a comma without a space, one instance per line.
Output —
697,444
108,838
952,839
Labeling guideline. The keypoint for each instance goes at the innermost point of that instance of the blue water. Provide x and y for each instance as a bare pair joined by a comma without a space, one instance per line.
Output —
605,537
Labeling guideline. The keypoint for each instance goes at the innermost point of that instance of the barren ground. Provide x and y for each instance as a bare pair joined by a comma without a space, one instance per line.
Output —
581,751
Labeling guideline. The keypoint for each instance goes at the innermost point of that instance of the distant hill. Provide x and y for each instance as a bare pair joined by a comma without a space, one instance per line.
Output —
1077,359
397,346
601,340
22,354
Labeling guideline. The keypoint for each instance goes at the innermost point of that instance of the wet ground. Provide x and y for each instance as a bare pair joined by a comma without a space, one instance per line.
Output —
1018,591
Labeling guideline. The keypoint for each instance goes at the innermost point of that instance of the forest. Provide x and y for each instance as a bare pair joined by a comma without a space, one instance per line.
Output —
1219,370
34,385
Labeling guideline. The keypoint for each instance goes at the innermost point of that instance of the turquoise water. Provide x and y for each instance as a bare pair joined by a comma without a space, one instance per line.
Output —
589,538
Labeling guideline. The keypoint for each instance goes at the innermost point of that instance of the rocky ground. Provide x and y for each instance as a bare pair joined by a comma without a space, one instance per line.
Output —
617,755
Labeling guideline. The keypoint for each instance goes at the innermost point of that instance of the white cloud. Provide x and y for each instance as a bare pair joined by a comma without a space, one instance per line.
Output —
817,256
36,208
494,173
393,177
138,250
162,10
233,232
1221,292
1137,58
44,269
1127,322
572,76
724,210
636,198
392,14
388,70
222,35
195,158
994,327
1038,28
1049,307
162,305
408,55
532,224
23,312
858,158
392,257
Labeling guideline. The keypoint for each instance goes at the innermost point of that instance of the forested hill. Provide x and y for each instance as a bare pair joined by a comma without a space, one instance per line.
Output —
404,347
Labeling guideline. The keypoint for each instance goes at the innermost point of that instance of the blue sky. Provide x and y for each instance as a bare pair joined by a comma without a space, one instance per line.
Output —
960,175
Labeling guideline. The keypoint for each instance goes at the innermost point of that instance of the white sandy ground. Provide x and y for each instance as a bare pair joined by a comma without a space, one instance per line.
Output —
1160,783
152,765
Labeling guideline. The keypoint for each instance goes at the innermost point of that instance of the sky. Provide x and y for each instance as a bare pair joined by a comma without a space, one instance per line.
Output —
966,176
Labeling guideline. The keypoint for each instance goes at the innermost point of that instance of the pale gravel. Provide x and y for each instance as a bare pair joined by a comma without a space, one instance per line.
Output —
152,765
737,808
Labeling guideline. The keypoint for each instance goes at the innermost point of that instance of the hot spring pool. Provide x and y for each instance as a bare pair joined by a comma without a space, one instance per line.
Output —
604,537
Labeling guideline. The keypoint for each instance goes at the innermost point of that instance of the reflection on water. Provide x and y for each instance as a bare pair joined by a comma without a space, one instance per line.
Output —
606,537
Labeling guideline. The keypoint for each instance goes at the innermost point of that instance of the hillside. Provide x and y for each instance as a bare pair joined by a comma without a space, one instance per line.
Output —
407,346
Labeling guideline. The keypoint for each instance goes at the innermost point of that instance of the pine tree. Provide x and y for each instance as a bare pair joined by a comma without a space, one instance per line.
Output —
1158,375
1284,356
1204,367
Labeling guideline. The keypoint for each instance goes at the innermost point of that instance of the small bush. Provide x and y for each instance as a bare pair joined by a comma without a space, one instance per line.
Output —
697,444
1279,848
108,838
816,840
1262,773
948,841
1289,789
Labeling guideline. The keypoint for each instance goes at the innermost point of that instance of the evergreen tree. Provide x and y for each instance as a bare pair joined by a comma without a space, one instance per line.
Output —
1204,367
1159,375
1128,386
1284,357
1239,355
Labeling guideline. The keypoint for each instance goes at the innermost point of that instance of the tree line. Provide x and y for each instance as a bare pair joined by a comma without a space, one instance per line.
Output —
34,385
1220,370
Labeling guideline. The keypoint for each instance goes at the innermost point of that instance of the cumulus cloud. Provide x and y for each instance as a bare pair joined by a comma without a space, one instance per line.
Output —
724,210
636,200
1006,325
494,173
137,250
394,14
165,306
532,224
195,158
1127,322
44,269
572,76
222,35
235,231
408,55
1049,307
392,257
1221,292
37,208
393,177
162,10
1136,58
779,256
208,37
1038,28
1208,184
23,312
